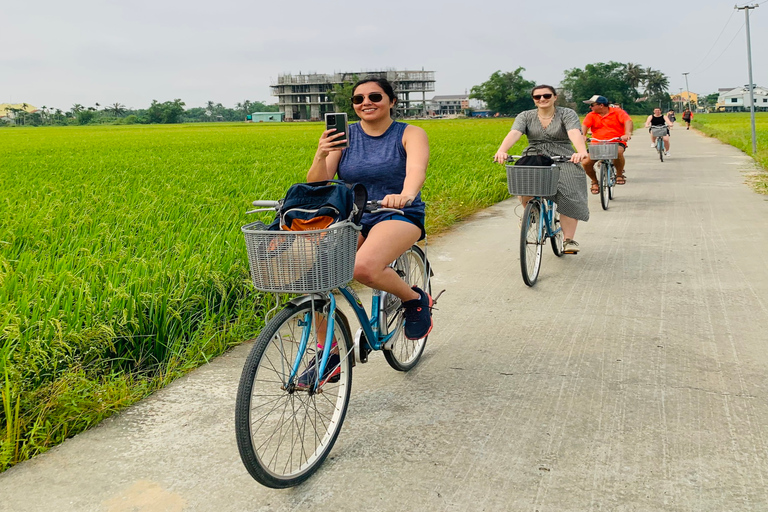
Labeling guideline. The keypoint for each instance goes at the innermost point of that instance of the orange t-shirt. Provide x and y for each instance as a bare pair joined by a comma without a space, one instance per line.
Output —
608,126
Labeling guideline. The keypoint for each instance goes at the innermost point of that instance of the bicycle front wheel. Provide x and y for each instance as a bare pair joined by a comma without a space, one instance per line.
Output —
605,183
557,238
660,148
531,243
285,431
401,353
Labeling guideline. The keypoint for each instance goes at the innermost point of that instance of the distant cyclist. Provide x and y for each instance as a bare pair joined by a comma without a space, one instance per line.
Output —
657,119
671,117
606,123
687,116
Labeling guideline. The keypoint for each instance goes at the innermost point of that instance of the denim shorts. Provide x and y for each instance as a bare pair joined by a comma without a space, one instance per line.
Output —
414,217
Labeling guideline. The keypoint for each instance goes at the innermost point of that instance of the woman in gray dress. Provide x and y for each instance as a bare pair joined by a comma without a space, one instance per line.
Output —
551,130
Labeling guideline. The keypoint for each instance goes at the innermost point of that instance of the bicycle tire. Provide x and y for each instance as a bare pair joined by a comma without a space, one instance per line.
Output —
660,148
530,243
604,184
557,239
401,353
285,433
612,182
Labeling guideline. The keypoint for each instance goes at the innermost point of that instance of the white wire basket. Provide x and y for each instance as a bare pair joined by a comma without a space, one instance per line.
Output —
528,180
301,261
604,150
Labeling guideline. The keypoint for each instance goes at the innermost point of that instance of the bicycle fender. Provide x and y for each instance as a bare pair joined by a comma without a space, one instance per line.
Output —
318,297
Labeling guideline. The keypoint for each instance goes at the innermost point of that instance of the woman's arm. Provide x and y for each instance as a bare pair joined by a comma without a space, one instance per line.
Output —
577,139
327,157
416,144
510,140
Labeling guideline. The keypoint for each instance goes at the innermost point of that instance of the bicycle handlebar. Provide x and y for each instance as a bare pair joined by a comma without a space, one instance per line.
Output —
559,159
615,139
370,207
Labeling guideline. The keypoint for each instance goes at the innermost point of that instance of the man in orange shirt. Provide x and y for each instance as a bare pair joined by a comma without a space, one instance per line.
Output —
607,123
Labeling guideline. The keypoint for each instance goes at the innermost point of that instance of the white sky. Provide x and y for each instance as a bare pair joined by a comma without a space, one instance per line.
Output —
61,52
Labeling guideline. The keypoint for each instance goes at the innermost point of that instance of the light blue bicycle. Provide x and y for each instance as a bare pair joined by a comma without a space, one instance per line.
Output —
540,218
296,382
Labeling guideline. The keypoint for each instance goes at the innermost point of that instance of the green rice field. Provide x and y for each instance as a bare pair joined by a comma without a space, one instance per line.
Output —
122,264
735,129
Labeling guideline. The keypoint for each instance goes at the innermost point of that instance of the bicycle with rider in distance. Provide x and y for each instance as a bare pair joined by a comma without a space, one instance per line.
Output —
540,218
660,132
604,152
296,382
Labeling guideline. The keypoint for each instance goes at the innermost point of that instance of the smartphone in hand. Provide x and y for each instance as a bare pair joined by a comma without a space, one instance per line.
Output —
338,121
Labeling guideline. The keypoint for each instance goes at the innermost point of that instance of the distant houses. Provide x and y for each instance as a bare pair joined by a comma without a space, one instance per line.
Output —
737,99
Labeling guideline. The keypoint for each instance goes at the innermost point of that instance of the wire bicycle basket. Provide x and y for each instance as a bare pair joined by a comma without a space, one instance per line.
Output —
528,180
604,150
301,261
658,131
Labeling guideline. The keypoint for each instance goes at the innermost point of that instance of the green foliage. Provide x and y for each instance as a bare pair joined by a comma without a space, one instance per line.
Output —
619,83
505,93
341,94
168,112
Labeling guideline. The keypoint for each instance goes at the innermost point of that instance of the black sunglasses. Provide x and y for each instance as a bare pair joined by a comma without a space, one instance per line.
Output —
375,97
537,97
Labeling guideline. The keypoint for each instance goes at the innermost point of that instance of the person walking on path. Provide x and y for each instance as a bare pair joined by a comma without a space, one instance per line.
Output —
607,123
554,131
687,116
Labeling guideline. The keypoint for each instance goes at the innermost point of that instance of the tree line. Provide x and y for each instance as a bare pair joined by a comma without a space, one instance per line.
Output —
158,112
636,88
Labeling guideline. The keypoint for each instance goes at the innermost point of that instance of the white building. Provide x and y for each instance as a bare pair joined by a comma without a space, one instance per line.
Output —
737,100
455,104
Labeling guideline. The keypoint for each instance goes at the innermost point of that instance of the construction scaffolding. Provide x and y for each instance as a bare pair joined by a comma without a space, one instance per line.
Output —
309,97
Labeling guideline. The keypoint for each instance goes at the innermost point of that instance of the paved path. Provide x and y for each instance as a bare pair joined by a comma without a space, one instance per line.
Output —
631,378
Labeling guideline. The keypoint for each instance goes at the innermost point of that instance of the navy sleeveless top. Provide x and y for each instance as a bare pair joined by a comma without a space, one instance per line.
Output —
377,162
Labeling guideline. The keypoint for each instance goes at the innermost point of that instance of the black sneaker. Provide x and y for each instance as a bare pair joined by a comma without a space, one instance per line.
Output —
418,315
332,372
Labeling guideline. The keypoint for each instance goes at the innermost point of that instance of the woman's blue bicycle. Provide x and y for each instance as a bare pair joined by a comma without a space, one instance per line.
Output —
295,386
540,218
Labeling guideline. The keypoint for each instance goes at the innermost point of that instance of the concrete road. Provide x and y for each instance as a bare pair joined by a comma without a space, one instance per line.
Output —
632,377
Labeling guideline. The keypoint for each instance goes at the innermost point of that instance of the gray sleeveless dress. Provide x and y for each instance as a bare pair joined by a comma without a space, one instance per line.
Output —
571,197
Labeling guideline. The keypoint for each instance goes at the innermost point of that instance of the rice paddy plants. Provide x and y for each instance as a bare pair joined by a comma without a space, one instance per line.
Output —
735,129
122,264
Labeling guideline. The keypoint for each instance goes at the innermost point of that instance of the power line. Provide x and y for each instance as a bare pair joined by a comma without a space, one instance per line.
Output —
716,40
729,45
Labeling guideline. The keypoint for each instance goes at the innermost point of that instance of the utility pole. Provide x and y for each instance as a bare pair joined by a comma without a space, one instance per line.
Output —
680,100
746,10
687,91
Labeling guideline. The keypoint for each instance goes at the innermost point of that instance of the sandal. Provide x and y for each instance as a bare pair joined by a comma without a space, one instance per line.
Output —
620,179
595,188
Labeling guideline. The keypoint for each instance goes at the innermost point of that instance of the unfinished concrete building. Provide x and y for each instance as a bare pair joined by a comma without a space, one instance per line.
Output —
308,97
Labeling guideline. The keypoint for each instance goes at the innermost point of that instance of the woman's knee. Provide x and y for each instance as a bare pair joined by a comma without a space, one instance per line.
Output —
366,270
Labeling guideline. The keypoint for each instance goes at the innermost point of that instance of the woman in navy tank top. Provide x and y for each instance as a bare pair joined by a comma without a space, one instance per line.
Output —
390,158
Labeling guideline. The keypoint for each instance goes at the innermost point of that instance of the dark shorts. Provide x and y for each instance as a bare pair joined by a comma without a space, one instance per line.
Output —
623,144
414,217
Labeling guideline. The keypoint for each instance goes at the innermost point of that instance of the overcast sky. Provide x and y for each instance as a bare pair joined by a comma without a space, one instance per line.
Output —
61,52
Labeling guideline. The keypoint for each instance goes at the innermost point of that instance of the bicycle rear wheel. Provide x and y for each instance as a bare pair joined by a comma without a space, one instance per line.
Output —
401,353
557,239
531,243
605,183
284,432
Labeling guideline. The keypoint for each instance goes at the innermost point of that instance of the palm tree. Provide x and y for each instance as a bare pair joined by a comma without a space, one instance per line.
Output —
117,108
634,75
76,108
656,83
